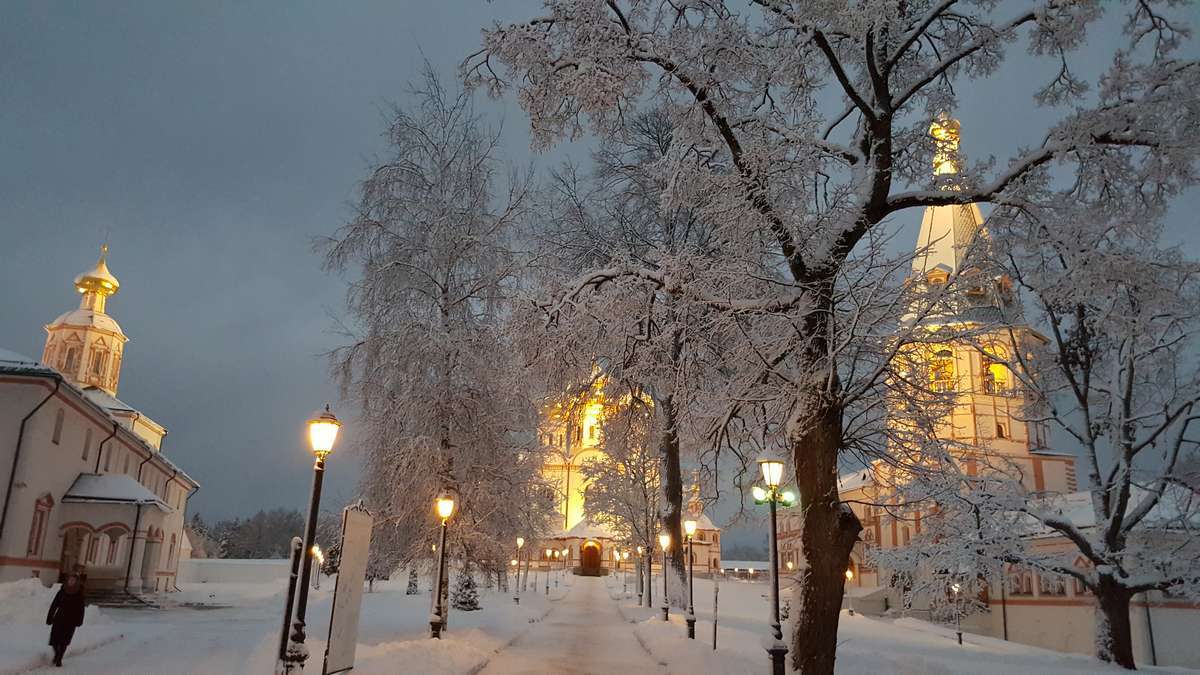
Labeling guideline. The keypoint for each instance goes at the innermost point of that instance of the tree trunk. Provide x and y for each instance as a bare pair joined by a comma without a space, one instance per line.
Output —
830,530
1114,639
672,520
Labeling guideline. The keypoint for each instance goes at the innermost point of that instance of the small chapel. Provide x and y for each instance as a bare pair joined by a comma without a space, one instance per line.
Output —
87,488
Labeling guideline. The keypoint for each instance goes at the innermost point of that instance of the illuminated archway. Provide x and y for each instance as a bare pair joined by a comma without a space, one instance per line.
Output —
589,558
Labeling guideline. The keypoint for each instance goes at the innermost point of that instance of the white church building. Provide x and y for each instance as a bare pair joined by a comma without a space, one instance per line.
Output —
85,484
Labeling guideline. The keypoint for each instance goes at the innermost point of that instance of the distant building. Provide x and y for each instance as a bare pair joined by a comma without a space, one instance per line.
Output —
573,434
85,484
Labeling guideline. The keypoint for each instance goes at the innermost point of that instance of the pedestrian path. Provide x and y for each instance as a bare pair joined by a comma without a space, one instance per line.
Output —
583,634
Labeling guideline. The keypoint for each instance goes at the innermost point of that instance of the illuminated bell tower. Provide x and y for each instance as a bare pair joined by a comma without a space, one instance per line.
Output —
86,345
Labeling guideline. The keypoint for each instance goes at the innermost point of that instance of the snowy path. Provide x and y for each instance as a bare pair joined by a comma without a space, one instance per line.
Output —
584,633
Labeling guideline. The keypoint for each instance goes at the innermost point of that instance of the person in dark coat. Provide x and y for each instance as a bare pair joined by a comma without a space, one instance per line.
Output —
65,615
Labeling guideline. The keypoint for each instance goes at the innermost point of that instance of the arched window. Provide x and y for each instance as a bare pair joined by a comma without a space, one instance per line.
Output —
58,426
71,360
941,370
996,377
37,529
87,443
114,544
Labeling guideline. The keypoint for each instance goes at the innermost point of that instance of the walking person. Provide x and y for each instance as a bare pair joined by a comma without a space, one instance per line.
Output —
65,615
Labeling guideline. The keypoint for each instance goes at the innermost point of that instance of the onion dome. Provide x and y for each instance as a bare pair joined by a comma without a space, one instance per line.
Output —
98,280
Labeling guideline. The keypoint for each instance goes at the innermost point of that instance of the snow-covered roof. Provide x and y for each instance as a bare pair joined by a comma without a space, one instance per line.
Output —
703,522
110,488
88,318
586,529
10,360
855,479
107,400
1175,506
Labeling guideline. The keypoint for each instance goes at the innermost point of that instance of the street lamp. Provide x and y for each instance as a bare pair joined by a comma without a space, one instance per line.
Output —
322,432
517,564
957,614
664,540
689,529
437,621
849,597
548,568
771,466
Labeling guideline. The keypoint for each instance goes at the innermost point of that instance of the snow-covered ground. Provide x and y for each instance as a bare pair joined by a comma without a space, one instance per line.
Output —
217,629
865,644
588,625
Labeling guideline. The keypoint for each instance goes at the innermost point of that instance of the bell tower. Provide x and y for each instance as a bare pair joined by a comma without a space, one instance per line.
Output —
87,345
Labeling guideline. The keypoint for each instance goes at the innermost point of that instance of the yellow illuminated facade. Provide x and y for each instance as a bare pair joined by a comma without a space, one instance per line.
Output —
572,432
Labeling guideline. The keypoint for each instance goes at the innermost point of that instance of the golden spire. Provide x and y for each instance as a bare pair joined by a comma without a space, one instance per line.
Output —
97,283
945,131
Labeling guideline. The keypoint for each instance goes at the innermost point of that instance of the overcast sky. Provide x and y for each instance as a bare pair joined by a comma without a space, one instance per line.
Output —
212,142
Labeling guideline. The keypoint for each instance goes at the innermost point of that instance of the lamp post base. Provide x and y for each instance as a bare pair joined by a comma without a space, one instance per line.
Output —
666,613
778,655
516,600
691,626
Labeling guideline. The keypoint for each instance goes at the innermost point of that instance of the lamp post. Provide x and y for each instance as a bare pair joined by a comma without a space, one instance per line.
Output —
445,508
548,568
322,432
517,564
557,556
689,529
771,466
641,581
957,614
664,540
625,576
849,597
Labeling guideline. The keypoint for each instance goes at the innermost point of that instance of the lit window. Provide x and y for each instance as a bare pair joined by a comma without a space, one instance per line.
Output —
941,370
996,377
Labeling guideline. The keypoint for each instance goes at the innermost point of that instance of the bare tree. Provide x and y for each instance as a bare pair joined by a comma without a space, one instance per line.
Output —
442,396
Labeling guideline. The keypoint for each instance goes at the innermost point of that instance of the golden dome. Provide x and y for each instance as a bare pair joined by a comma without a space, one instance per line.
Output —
98,280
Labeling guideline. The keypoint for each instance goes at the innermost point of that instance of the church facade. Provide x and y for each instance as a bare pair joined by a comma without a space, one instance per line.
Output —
87,487
1022,605
572,433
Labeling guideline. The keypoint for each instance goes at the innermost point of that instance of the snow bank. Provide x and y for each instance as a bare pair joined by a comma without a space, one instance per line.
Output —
24,634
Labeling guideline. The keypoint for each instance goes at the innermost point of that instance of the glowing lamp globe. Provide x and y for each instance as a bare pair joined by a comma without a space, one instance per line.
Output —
625,555
445,506
566,551
664,540
849,575
323,431
759,494
513,562
689,527
639,550
956,588
520,542
771,465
